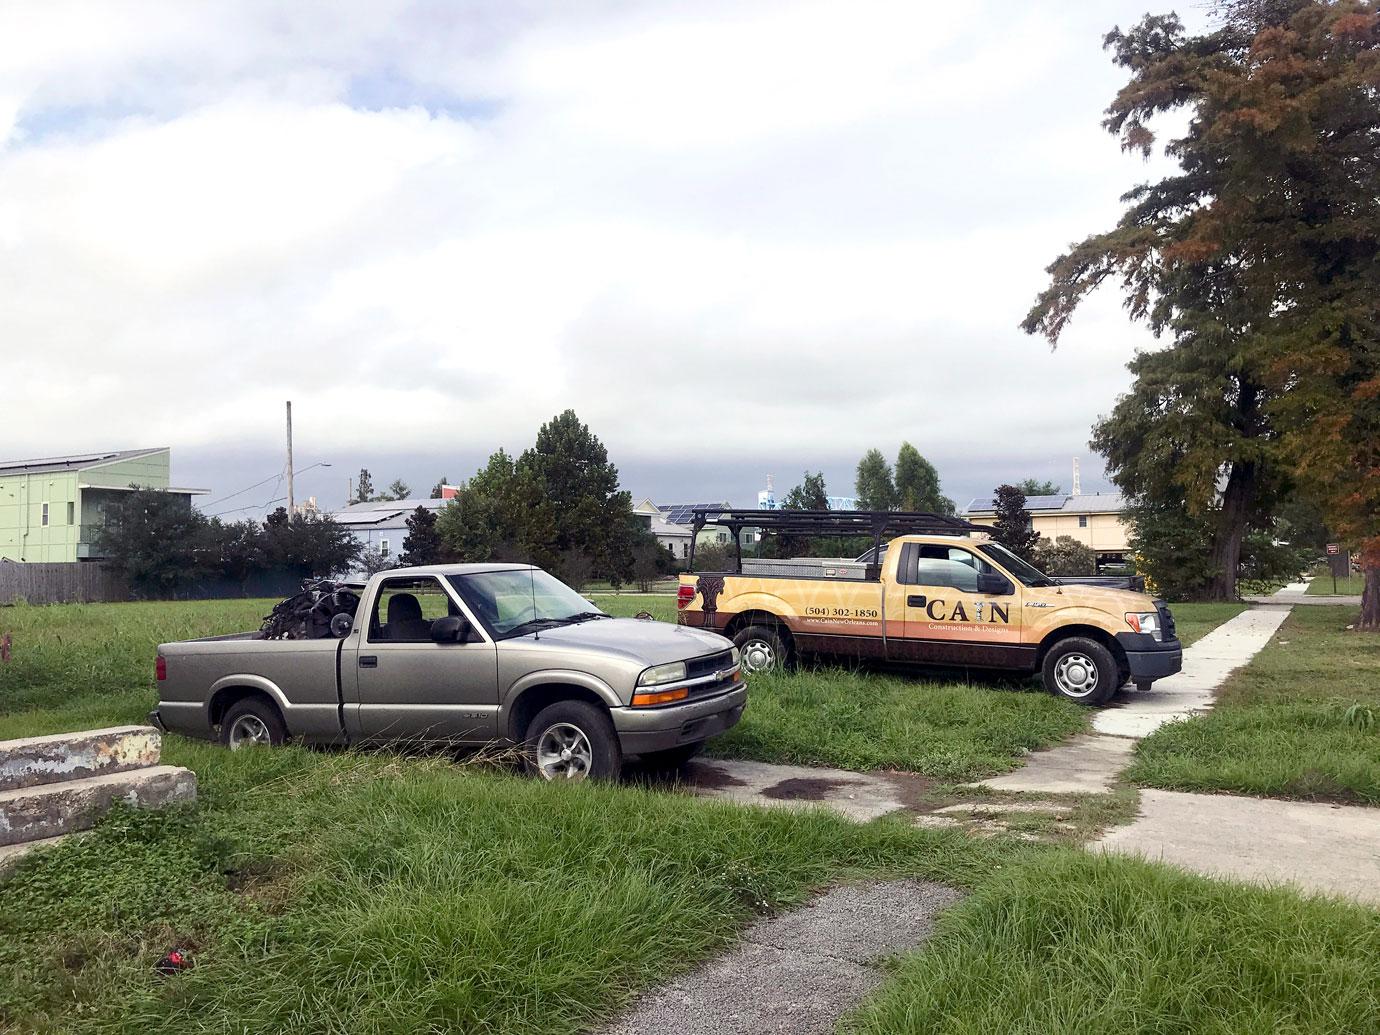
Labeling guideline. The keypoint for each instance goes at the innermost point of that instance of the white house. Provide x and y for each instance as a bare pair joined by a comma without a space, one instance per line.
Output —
382,525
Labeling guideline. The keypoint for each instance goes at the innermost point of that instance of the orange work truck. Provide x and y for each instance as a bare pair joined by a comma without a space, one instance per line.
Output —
927,590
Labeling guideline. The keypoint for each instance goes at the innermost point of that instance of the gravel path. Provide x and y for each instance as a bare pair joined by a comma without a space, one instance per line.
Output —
798,972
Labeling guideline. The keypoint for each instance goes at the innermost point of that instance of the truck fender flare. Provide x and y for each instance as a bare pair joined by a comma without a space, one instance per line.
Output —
247,682
550,676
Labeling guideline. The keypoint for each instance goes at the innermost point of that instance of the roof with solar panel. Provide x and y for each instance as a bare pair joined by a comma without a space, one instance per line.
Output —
1065,503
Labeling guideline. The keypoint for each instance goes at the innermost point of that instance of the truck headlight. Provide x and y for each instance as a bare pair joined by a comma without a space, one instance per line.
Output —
659,674
1145,622
737,656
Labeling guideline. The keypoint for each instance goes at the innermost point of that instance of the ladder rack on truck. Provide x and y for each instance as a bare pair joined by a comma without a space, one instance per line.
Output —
842,524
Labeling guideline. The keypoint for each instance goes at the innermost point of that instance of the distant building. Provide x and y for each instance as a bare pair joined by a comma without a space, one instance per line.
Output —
382,525
1092,519
51,508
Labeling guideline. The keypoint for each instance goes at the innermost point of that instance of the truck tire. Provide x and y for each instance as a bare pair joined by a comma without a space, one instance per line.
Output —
672,758
573,740
252,722
762,649
1080,670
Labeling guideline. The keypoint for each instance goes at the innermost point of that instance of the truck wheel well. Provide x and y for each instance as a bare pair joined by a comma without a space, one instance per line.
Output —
534,699
1091,632
741,621
228,696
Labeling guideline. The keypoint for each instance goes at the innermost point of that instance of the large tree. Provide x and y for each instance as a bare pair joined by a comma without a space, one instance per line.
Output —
1034,487
874,485
422,544
157,541
501,515
308,546
1258,260
1012,525
810,494
571,467
917,483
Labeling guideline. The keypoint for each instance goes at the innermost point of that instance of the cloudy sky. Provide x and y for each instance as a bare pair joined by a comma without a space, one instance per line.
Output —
738,238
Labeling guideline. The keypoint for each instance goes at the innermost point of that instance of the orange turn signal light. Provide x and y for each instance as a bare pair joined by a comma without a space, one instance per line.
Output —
647,697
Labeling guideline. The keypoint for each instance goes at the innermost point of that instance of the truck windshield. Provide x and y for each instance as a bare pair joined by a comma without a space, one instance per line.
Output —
520,601
1027,573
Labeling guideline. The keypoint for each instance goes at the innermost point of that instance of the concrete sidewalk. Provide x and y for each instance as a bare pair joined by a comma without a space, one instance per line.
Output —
1091,764
1327,848
1297,593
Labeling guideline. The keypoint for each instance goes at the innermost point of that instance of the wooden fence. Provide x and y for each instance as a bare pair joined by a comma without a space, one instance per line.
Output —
59,583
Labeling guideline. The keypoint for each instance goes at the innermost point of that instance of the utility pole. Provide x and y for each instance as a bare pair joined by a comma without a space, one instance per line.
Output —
291,502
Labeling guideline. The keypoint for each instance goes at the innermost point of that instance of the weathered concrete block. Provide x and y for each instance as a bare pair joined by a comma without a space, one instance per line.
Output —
31,813
34,761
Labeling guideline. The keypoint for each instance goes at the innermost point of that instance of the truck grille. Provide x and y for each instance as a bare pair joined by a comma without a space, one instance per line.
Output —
708,665
1166,621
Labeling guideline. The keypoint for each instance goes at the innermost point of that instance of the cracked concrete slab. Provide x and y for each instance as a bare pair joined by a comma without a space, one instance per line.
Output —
1207,664
859,796
797,972
1318,847
1087,764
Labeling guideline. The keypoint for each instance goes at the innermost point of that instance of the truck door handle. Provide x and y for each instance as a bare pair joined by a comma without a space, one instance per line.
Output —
369,661
915,600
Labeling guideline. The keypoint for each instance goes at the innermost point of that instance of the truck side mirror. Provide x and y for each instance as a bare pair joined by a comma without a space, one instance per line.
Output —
993,585
450,629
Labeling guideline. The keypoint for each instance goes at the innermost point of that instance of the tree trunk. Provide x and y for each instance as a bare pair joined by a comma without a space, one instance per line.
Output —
1231,530
1370,600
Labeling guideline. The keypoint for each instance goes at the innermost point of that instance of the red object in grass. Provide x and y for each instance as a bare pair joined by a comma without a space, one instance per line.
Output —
5,647
174,962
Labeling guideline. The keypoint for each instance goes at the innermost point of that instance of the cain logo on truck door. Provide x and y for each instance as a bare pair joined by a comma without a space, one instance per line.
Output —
996,613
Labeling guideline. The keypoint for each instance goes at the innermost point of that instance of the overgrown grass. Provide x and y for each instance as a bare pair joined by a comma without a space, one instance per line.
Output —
1350,585
1301,721
1078,943
873,720
365,893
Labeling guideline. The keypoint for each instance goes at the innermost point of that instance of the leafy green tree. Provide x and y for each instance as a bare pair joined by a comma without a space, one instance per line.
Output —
874,486
308,546
239,548
372,561
364,487
422,544
1032,487
397,490
157,541
501,515
436,489
917,483
1064,556
1260,258
592,517
1012,525
810,494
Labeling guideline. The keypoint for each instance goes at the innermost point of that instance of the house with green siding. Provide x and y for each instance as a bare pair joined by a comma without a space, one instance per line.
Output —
50,508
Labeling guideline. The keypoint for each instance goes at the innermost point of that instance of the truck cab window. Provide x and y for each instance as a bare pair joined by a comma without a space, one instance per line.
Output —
949,566
405,609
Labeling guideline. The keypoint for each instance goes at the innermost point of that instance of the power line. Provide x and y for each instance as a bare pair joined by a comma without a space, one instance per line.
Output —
281,473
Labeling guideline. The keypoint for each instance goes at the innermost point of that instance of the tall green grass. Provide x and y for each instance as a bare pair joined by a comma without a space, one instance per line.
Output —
1091,944
365,893
1288,725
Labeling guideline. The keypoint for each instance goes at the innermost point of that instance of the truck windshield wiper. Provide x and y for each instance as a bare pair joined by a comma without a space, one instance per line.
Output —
583,616
534,625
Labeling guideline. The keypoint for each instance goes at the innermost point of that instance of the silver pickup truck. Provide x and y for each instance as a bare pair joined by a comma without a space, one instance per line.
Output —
465,654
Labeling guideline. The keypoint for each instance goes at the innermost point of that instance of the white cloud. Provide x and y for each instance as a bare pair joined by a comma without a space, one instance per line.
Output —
433,231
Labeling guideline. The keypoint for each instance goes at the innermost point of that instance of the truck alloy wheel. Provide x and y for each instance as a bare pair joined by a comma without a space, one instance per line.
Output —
563,753
573,740
252,723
